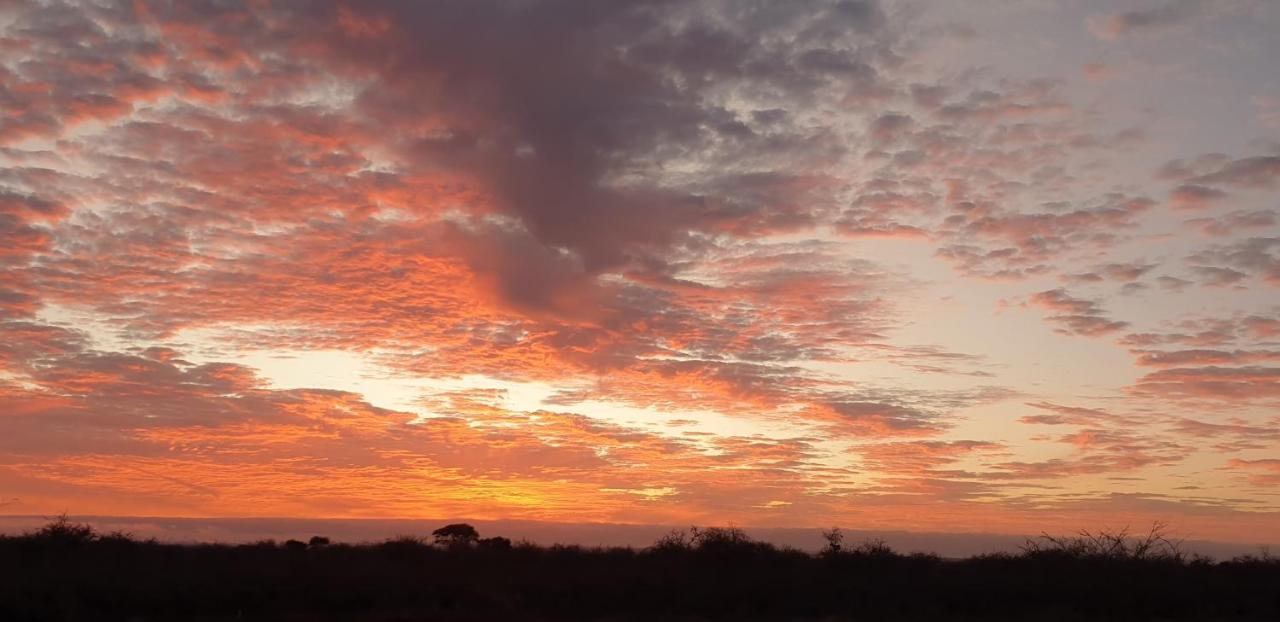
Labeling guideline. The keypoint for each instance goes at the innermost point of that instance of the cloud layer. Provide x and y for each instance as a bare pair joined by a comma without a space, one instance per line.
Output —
641,262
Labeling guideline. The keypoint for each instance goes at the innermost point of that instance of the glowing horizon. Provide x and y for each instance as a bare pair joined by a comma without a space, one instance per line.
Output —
999,267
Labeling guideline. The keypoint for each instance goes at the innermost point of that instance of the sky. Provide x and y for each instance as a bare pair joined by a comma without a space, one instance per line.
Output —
999,267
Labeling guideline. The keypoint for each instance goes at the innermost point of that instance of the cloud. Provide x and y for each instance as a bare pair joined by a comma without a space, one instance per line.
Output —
1172,283
215,437
1097,71
1204,357
1264,472
887,127
1251,172
1130,23
1234,436
1097,450
1075,316
1121,272
1232,262
649,212
1246,383
1075,415
1198,332
1194,197
1261,327
1231,222
1215,276
1200,174
1035,239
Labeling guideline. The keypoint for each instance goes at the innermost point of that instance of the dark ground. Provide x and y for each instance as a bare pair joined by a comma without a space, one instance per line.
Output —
68,572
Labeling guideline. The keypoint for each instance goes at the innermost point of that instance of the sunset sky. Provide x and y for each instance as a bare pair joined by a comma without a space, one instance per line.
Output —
978,266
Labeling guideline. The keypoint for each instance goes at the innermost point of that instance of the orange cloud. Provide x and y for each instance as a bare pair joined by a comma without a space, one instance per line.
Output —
641,211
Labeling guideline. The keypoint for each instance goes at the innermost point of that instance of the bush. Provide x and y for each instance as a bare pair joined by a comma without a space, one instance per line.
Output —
62,531
67,571
1109,545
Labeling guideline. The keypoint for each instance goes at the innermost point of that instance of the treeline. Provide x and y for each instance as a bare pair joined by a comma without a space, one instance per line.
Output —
67,571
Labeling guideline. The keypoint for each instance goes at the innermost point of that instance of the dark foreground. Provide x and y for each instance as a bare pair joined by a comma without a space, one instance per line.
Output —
67,572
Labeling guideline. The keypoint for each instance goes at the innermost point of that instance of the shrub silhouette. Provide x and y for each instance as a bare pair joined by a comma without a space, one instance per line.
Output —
875,548
62,530
496,543
1109,545
66,571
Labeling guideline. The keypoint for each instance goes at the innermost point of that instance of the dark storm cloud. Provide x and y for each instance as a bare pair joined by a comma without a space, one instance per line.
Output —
564,107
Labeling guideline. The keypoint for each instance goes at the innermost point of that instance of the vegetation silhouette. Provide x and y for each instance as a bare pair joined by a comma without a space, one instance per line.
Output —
66,571
456,535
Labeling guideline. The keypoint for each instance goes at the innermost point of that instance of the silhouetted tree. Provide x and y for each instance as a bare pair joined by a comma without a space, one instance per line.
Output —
713,538
674,540
456,535
318,541
723,542
835,541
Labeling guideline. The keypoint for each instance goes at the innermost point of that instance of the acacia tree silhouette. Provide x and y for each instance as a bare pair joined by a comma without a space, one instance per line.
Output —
457,535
